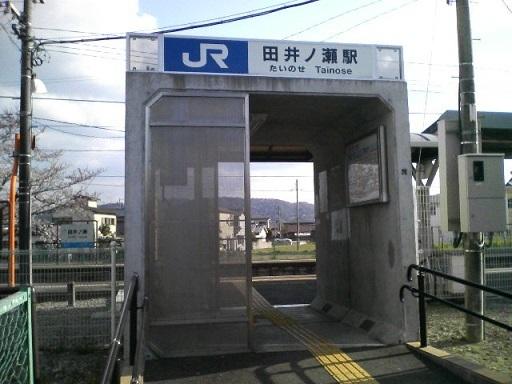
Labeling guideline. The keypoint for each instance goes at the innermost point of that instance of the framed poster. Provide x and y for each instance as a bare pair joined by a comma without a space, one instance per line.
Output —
366,174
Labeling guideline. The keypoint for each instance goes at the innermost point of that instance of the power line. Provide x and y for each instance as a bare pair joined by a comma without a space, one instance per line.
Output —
83,134
103,127
186,28
171,26
371,19
10,37
277,176
429,68
271,176
103,185
71,30
80,150
507,6
80,100
65,99
331,18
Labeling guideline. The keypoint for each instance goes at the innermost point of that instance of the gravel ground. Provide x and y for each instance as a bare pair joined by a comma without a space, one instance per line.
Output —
63,363
72,340
446,331
77,367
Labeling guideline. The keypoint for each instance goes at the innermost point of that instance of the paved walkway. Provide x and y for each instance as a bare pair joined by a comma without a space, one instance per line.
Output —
388,365
312,355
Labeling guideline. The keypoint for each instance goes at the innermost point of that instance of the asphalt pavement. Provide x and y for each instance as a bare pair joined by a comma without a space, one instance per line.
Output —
297,346
387,365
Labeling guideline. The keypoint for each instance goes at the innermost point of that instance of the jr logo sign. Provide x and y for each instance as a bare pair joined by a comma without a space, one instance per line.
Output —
218,52
205,55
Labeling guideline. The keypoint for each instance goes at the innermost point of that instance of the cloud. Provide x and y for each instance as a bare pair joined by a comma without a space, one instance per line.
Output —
425,28
84,71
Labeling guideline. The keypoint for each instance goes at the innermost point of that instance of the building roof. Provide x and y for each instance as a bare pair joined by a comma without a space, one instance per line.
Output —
423,145
496,131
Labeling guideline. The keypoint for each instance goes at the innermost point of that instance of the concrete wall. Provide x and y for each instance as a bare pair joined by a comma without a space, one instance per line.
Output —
361,269
360,275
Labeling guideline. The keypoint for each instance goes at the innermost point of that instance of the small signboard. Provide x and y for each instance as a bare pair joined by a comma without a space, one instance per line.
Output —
366,169
281,58
77,235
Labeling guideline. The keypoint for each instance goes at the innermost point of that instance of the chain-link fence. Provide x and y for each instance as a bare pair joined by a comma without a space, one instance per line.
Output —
444,257
438,249
16,364
76,291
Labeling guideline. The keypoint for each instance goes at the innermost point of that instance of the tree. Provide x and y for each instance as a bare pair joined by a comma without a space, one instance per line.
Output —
54,184
105,230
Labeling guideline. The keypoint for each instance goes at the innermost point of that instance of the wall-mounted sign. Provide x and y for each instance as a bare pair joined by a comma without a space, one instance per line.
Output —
267,58
77,235
366,169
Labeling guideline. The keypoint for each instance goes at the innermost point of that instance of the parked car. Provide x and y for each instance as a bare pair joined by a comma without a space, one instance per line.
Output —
283,241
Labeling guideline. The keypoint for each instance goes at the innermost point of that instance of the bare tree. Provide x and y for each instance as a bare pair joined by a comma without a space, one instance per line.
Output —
53,183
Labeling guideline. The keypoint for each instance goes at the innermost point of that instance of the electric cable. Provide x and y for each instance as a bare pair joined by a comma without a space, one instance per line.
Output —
80,150
371,19
331,18
507,6
10,37
103,127
83,134
166,27
187,28
66,99
429,67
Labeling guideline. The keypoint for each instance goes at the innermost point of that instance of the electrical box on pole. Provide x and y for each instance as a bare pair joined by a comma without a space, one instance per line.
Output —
482,193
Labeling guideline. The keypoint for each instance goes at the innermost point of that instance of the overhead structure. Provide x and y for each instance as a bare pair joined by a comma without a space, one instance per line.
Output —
198,110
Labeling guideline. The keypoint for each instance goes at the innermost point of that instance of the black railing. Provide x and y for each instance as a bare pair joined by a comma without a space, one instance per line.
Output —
421,295
138,364
135,341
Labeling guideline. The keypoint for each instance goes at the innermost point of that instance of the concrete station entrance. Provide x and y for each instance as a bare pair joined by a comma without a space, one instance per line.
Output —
189,141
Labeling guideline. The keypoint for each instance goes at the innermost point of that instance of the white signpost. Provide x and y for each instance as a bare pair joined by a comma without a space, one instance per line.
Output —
269,58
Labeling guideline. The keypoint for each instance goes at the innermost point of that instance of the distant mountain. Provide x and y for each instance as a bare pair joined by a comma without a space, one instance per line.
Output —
259,208
273,208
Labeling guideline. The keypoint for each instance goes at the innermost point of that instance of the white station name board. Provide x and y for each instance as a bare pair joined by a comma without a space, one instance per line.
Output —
270,58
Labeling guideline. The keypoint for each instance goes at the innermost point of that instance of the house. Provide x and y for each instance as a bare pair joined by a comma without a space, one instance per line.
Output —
116,209
231,230
306,230
508,190
82,224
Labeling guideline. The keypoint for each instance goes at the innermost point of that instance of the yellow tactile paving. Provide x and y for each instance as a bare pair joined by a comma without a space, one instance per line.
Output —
338,364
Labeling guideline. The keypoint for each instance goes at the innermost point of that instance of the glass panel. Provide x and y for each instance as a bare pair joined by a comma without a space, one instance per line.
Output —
188,111
197,268
388,63
143,54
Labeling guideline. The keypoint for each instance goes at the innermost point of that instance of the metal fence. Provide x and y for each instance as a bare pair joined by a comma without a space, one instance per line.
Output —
16,362
77,291
436,250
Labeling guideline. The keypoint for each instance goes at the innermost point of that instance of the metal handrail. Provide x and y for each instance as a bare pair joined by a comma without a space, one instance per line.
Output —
138,366
421,268
421,294
130,301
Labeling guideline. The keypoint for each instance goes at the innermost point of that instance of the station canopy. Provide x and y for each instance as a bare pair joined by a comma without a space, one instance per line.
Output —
496,135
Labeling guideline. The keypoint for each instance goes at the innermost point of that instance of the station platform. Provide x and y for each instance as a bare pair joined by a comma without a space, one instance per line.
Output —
295,344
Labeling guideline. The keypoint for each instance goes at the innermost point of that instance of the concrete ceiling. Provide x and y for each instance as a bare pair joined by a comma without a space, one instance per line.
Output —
283,125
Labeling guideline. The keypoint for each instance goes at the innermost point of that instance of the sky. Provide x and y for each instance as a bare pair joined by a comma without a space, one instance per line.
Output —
96,71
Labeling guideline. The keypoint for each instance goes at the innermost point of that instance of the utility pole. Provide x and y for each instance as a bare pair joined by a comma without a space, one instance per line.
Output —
297,208
279,218
25,153
471,142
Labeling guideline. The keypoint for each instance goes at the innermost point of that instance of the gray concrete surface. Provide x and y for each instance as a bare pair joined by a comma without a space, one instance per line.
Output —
363,251
388,365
